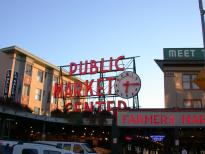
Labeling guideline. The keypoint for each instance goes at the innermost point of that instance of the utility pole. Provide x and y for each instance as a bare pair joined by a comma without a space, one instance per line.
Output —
202,12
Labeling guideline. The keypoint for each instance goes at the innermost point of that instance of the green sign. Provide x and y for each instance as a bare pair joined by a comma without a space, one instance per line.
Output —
183,53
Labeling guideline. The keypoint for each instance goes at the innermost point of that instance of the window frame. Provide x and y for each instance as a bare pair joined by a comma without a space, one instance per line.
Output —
40,76
28,71
55,79
51,152
26,150
38,109
192,102
26,89
38,94
76,150
191,85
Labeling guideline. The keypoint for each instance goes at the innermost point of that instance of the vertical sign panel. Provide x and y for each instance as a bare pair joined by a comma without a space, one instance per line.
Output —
7,82
14,85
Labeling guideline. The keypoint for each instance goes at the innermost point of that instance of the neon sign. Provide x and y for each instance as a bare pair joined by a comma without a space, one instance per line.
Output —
94,87
157,138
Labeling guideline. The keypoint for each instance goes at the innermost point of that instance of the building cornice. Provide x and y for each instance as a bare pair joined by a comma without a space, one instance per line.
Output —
19,50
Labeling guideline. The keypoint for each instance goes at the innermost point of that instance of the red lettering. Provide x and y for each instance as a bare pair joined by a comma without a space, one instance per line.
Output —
186,119
202,119
93,67
156,120
88,87
77,106
85,68
68,90
164,119
148,119
118,68
195,119
120,103
87,108
132,120
110,79
110,64
68,106
58,90
140,119
73,68
102,66
109,105
124,118
172,119
100,105
77,88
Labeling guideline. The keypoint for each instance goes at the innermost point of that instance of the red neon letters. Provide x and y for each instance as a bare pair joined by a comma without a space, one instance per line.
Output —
92,87
92,67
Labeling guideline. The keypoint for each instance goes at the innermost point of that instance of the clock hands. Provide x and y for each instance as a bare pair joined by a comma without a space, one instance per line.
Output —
127,84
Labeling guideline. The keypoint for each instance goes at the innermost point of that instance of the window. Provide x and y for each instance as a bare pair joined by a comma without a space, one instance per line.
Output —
188,83
55,80
65,84
26,90
40,76
53,99
38,94
189,103
88,148
50,152
59,145
67,146
28,69
29,151
36,110
78,149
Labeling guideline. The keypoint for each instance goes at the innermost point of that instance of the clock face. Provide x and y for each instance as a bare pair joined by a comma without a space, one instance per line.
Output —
127,84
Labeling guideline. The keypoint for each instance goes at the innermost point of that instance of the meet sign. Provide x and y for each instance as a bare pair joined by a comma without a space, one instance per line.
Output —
183,53
160,118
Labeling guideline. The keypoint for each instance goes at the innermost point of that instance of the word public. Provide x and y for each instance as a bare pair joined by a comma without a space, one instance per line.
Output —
92,67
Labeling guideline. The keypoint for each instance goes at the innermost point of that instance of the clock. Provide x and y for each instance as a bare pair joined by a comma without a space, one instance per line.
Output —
127,84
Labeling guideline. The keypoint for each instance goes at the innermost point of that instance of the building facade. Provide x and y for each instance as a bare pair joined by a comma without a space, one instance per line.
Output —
181,68
30,80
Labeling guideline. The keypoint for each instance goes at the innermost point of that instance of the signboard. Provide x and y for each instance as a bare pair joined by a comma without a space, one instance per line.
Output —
14,85
98,88
7,83
157,138
183,53
156,118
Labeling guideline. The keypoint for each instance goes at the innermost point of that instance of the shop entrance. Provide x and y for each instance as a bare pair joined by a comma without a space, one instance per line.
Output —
162,140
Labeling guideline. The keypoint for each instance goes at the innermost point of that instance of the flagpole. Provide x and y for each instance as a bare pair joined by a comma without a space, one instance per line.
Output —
202,12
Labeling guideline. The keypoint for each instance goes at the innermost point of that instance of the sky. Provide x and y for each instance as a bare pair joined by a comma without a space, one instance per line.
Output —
64,31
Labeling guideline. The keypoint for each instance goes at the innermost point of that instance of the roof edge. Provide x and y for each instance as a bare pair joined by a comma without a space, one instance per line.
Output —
27,53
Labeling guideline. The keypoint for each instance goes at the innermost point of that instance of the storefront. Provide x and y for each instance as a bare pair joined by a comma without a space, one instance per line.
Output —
161,130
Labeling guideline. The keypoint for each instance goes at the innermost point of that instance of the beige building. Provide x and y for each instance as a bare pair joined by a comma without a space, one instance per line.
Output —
29,80
181,67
